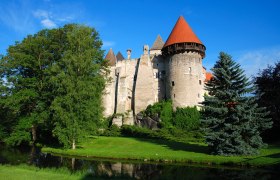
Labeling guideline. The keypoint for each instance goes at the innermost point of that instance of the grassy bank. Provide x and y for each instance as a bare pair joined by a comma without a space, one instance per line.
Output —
162,150
29,173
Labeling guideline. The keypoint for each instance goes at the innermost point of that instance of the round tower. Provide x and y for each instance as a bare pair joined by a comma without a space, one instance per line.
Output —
183,53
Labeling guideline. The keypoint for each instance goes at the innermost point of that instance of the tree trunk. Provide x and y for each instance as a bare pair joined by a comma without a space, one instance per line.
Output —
32,154
73,164
34,131
73,144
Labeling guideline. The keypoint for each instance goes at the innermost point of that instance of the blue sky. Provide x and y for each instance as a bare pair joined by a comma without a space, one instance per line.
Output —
249,30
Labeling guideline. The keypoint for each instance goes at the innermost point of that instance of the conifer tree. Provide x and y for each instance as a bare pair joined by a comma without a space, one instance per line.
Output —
231,118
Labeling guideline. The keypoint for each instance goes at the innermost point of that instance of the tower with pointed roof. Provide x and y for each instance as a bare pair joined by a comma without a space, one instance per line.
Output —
183,53
169,70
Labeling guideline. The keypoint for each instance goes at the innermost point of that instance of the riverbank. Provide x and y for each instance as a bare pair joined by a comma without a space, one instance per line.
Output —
30,173
163,151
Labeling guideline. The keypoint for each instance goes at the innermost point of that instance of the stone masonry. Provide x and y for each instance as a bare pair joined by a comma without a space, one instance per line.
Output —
171,70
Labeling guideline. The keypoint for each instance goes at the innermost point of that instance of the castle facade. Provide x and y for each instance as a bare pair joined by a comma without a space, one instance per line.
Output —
168,70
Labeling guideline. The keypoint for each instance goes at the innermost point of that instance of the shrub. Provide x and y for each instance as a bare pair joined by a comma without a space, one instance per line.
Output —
162,110
113,130
186,118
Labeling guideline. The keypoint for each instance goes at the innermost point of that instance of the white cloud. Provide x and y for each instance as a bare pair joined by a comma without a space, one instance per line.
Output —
45,17
48,23
253,61
108,43
41,14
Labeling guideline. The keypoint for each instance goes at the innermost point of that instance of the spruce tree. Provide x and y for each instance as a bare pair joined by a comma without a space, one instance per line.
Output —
231,118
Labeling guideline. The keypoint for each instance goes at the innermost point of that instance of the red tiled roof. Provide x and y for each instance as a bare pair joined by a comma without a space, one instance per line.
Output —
181,33
208,77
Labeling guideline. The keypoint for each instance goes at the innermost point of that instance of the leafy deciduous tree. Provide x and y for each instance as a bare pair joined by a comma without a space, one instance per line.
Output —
268,90
25,70
79,84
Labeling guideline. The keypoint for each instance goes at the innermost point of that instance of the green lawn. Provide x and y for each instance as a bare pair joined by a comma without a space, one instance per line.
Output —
163,150
30,173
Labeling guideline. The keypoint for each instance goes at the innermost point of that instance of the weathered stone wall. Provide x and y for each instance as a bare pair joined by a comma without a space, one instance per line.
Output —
109,94
159,76
145,86
185,79
179,77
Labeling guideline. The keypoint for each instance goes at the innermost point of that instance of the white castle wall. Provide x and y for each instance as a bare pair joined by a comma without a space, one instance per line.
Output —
154,76
185,79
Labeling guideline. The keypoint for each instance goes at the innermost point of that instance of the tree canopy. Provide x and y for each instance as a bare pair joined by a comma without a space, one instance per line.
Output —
268,89
50,77
232,119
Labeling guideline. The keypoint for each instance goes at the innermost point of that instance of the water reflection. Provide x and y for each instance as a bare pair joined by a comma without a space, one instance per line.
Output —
131,170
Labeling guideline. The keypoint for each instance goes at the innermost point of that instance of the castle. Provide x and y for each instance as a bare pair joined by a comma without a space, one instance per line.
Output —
171,70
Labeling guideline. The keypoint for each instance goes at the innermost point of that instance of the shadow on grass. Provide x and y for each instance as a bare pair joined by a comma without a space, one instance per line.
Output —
177,146
274,156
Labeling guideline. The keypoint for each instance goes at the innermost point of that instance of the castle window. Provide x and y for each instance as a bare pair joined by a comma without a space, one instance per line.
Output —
173,83
199,82
157,65
190,70
174,95
198,95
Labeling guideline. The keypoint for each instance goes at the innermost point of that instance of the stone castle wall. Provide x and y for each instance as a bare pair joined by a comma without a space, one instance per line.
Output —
185,79
137,83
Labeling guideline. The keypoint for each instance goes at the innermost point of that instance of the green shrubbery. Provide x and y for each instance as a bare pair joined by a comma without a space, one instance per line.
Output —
186,118
180,125
183,118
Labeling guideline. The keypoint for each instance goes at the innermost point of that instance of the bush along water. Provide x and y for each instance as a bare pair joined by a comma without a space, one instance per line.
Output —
183,124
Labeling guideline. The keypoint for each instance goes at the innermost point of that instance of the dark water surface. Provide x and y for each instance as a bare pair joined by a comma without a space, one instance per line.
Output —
131,170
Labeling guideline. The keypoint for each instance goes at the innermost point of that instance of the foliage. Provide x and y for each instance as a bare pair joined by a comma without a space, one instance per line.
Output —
27,95
186,118
268,87
78,85
232,118
162,110
54,83
113,130
170,133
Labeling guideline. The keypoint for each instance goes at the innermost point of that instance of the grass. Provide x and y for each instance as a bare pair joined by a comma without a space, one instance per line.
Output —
163,151
29,173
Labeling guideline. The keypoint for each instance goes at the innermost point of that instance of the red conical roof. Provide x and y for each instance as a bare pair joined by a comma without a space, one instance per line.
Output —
181,33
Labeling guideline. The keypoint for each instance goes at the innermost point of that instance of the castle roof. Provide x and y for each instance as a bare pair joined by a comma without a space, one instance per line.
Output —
119,56
111,58
158,44
208,77
181,33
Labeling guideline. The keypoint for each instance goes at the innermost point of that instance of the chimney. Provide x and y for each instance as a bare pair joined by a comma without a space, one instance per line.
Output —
146,49
128,53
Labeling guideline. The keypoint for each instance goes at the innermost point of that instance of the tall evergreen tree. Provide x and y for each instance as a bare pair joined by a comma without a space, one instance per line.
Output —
79,83
232,119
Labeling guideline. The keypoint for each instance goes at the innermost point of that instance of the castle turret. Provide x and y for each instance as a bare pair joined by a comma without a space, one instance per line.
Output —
157,46
111,58
183,53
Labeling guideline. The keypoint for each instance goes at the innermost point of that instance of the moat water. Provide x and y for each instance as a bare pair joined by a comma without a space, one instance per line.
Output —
132,169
